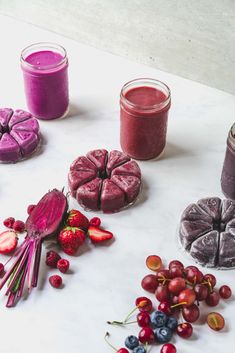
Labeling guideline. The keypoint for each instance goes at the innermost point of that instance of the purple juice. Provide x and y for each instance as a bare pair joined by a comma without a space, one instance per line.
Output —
45,72
228,172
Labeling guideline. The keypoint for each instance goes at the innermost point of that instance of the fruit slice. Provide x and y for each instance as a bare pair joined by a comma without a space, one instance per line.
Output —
8,241
30,124
98,158
228,210
129,184
194,213
212,206
115,159
78,178
9,149
18,116
129,168
112,197
88,194
227,250
98,235
215,321
83,163
191,230
28,141
5,115
204,249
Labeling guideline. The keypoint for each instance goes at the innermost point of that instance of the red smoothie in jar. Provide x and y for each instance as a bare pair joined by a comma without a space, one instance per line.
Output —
45,71
144,106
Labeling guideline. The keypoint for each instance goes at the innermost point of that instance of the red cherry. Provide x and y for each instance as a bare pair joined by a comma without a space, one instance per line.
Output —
122,350
146,335
225,292
144,304
184,330
165,307
187,297
162,293
143,319
168,348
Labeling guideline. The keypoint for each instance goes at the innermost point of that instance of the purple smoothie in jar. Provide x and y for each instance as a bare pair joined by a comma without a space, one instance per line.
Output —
45,72
228,172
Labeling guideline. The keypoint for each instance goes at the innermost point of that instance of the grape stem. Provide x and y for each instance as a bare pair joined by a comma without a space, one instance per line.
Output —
178,304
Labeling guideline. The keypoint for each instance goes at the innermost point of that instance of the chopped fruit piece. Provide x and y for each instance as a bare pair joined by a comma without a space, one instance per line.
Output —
115,159
129,184
129,168
63,265
112,197
215,321
187,297
9,222
144,304
70,239
149,283
212,299
184,330
191,313
168,348
98,158
78,178
88,194
52,258
146,335
55,281
95,221
8,241
19,226
154,262
77,219
83,164
30,209
225,292
98,235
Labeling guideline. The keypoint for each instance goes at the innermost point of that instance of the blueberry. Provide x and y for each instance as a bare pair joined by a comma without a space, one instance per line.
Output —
139,349
158,319
163,334
131,342
172,323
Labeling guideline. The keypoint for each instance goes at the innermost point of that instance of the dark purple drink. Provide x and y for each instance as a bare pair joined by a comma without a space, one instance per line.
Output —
228,172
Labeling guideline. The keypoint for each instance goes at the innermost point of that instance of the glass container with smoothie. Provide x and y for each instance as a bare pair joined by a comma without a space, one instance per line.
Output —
144,106
228,172
45,71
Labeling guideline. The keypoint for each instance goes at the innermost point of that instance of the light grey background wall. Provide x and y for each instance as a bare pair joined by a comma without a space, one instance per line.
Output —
191,38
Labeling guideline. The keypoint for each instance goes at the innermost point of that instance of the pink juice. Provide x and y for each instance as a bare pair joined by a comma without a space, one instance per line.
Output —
144,113
45,71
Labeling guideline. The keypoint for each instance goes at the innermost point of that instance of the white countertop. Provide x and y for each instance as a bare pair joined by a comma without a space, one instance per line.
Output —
106,280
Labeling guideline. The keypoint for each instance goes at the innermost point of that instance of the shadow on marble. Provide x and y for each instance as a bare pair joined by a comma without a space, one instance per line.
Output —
75,111
143,195
173,151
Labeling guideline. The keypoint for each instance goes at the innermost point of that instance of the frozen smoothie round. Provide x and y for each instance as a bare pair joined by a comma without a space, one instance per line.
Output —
45,72
144,106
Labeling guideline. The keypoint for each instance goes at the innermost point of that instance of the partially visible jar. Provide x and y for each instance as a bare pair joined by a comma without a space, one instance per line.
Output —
45,72
228,172
144,106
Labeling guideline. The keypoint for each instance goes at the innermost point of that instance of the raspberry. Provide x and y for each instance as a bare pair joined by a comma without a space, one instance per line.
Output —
52,257
95,221
63,265
1,267
30,209
19,226
9,222
55,281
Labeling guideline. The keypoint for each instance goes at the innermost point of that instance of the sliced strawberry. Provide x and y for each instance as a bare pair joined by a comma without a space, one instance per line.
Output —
8,241
98,235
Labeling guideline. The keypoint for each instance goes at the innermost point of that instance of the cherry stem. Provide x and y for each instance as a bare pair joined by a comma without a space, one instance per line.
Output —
110,345
121,323
146,346
129,315
178,304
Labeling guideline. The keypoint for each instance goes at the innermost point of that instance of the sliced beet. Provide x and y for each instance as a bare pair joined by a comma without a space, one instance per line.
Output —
88,195
112,197
129,184
204,249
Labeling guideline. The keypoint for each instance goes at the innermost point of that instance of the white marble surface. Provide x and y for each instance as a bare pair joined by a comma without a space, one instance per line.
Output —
106,280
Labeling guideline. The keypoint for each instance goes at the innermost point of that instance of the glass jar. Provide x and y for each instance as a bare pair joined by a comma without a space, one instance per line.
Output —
228,172
45,72
144,106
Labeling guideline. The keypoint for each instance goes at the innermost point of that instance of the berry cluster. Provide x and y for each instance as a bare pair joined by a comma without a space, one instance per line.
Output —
16,225
54,260
180,288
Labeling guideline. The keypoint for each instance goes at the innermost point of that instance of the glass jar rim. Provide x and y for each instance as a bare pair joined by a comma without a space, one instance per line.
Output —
40,45
149,82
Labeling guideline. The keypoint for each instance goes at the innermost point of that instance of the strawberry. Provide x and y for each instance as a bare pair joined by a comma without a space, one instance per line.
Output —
77,219
98,235
70,238
8,241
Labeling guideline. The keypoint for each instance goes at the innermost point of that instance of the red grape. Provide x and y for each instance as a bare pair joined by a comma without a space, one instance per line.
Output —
191,313
176,263
154,262
212,299
187,297
162,293
201,292
193,274
184,330
215,321
176,272
165,307
175,299
143,319
144,304
168,348
176,285
225,292
210,279
162,275
149,283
